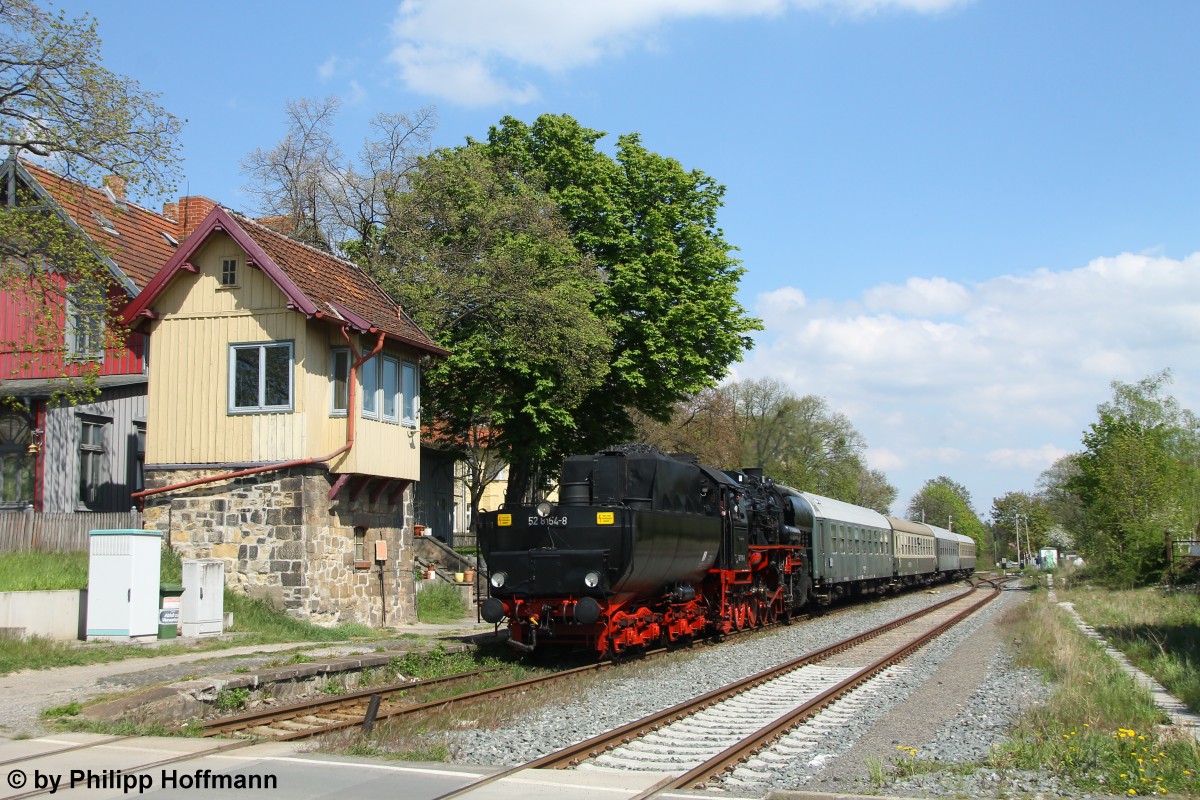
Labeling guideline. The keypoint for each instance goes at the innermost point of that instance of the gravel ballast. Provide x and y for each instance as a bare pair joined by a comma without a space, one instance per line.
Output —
965,695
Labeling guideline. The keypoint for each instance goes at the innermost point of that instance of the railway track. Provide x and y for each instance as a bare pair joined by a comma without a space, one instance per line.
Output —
694,742
317,717
312,718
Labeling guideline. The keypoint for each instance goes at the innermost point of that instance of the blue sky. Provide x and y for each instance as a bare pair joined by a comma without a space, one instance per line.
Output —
960,219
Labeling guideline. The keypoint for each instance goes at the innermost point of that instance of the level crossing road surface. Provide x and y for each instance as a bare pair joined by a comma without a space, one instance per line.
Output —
100,767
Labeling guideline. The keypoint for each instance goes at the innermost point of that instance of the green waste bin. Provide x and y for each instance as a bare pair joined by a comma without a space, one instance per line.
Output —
169,599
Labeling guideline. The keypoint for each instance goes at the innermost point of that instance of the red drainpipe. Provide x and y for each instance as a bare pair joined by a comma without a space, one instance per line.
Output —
350,414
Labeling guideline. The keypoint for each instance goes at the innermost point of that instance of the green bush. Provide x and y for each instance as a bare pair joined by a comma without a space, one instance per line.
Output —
230,700
440,603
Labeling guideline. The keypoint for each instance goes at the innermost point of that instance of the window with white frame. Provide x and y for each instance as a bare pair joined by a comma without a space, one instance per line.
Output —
411,390
339,381
260,377
93,460
390,390
370,383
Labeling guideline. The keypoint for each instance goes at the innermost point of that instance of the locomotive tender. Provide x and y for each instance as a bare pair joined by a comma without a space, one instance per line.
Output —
644,548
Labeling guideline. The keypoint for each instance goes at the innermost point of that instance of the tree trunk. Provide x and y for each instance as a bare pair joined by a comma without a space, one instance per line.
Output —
520,474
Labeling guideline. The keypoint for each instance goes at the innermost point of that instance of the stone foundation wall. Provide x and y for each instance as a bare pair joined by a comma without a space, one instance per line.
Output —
285,542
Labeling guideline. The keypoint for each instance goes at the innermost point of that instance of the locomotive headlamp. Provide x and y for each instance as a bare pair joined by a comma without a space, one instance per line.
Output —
497,580
544,508
591,580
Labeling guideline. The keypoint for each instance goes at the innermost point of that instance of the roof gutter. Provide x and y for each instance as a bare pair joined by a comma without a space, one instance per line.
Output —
350,417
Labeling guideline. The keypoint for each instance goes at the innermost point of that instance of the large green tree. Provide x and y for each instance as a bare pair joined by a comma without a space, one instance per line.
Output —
484,262
1137,480
1061,502
946,503
669,277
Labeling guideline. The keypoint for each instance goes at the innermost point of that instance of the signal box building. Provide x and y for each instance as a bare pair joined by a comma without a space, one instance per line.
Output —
284,400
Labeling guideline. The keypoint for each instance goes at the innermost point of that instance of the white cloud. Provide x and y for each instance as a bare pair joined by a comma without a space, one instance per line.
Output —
883,459
1035,459
355,94
989,383
936,297
328,68
458,49
781,304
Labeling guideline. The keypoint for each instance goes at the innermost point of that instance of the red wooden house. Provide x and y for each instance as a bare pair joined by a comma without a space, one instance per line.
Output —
57,456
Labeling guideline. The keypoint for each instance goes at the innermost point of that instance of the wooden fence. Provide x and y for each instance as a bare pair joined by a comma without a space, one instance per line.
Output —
58,532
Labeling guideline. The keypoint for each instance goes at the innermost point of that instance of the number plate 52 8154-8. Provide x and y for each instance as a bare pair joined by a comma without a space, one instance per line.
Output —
552,522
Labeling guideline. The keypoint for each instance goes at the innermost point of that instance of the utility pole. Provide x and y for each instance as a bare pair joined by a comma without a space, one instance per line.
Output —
1028,544
1018,524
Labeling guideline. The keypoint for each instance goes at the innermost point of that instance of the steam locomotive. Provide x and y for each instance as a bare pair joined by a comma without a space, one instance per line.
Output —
644,548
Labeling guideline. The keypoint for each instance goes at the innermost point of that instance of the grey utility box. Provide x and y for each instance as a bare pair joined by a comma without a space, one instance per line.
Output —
202,610
123,570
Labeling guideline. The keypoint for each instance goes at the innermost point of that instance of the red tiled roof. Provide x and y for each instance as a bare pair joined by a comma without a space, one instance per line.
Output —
336,286
316,283
138,247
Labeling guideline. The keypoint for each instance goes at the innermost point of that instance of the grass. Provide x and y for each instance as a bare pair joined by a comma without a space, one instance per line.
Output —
254,621
1158,631
440,604
34,572
230,700
1098,728
1098,731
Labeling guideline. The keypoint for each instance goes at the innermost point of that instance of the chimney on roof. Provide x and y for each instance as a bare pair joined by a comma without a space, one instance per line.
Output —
192,211
171,211
116,185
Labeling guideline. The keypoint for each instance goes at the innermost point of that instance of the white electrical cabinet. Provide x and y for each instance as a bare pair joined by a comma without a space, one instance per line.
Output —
123,588
202,610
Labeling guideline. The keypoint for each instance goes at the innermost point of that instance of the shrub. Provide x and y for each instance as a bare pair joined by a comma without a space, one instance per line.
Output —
440,603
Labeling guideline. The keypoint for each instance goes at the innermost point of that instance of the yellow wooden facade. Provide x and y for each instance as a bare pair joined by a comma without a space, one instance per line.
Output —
189,407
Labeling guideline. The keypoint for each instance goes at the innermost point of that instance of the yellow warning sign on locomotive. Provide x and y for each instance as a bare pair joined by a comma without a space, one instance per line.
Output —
504,520
604,518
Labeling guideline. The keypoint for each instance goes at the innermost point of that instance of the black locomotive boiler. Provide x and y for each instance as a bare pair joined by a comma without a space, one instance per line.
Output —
643,548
